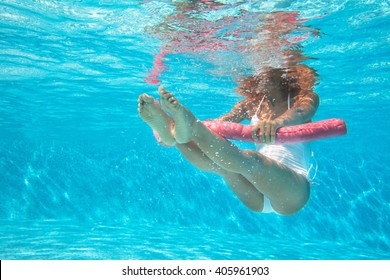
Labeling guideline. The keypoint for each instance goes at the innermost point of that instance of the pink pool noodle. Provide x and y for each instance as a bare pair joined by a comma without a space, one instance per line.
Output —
284,135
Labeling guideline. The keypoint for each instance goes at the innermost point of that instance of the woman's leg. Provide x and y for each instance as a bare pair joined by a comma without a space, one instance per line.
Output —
287,190
150,111
240,186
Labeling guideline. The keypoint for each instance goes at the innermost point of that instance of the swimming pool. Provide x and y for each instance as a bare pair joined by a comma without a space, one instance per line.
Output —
83,178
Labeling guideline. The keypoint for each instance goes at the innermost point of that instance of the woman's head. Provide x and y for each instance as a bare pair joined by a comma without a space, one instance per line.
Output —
268,82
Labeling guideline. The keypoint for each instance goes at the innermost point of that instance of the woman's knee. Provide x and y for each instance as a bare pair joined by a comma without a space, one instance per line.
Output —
294,203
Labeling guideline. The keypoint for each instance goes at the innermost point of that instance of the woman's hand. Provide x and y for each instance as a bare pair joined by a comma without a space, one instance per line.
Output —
267,133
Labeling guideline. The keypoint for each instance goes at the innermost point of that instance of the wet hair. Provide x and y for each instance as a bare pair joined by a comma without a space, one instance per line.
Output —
198,4
256,86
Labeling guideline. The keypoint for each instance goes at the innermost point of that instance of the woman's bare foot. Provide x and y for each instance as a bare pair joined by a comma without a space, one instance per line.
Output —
184,119
150,111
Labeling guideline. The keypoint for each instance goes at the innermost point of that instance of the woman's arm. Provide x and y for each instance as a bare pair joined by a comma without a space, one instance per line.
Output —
303,107
302,110
306,102
237,114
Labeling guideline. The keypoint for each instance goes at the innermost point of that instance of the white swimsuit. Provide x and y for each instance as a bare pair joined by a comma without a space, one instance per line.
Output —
295,156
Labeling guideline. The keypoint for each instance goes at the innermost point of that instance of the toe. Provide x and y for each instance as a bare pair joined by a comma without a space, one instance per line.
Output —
141,98
161,90
164,94
146,98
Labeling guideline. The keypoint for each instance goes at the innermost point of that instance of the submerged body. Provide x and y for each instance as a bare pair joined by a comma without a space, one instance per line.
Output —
263,180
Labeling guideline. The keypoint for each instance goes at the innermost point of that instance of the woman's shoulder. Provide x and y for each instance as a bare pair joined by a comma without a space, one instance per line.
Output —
304,70
246,107
250,104
309,98
306,77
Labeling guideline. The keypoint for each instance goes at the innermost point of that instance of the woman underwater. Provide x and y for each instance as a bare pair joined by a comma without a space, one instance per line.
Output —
274,178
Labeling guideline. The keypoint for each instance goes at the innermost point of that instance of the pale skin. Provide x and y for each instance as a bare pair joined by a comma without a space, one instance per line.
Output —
249,174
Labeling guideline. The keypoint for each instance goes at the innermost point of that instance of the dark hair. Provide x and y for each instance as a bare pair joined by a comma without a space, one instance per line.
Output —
256,86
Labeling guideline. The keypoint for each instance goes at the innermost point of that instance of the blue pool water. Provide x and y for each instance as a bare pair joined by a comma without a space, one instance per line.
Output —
81,176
